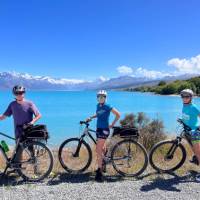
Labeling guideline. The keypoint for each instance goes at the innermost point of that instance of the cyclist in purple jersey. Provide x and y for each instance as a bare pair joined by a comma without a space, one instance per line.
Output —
22,110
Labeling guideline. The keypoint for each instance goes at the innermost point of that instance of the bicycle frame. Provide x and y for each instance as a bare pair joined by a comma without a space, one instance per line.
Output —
183,135
2,151
86,132
9,161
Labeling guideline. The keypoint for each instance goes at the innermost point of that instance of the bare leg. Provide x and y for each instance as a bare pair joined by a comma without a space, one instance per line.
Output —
100,148
196,149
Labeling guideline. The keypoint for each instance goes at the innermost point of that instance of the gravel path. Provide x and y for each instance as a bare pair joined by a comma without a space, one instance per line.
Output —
84,187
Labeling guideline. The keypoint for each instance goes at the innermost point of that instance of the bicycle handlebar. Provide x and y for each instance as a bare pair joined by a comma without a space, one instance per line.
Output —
84,122
186,127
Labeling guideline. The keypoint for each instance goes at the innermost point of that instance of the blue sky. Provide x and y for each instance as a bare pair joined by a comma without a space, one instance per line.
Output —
85,39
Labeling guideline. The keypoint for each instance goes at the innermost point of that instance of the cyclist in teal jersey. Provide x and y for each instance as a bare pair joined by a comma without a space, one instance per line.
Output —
103,111
190,116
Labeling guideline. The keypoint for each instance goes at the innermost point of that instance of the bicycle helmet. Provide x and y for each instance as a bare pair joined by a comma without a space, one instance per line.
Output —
18,89
102,93
187,92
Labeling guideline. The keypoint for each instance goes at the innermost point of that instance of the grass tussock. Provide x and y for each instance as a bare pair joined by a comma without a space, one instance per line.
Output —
151,131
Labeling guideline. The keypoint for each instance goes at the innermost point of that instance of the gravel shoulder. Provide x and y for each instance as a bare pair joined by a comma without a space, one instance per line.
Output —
82,187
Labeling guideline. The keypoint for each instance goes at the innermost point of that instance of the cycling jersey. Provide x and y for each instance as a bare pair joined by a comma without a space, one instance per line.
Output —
190,114
103,114
22,114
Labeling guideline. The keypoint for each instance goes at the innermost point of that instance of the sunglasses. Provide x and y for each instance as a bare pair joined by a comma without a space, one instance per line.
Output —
19,93
185,97
99,96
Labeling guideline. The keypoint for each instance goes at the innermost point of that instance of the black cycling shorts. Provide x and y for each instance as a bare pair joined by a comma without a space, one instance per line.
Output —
102,133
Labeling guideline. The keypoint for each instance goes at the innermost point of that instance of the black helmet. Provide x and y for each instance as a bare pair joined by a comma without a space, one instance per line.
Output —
18,89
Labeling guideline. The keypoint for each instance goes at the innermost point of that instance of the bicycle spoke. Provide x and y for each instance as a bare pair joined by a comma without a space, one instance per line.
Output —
35,161
129,158
166,156
75,157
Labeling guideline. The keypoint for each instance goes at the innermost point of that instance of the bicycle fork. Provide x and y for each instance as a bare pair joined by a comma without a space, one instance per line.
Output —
173,148
76,154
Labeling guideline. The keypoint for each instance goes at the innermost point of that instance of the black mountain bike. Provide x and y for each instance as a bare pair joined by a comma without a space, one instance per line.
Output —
128,157
169,155
31,159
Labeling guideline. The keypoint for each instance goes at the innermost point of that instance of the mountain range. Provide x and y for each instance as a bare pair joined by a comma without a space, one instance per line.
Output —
9,79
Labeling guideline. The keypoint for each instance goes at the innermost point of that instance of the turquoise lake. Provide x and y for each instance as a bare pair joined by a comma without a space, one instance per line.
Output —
62,110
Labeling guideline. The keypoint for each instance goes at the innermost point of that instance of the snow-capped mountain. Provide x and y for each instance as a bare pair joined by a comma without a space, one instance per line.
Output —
9,79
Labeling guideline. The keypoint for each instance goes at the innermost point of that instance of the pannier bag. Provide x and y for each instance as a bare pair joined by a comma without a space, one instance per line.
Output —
36,132
126,131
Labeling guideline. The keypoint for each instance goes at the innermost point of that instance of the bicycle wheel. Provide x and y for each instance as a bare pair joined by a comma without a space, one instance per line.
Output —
36,161
167,156
75,156
129,158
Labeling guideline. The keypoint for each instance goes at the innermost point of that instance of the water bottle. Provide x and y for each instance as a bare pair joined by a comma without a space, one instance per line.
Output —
4,146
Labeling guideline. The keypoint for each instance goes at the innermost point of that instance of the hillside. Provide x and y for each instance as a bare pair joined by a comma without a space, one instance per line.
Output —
174,87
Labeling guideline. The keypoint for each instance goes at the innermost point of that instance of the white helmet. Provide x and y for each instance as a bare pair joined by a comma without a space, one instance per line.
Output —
187,92
102,93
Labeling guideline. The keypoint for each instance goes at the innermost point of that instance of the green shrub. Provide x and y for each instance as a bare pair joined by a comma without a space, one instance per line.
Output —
161,83
151,131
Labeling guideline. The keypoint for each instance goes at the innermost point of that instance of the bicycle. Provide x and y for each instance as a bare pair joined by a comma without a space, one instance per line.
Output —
128,157
30,158
169,155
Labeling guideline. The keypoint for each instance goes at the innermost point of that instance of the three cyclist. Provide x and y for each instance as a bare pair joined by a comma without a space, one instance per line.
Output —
190,115
103,111
25,112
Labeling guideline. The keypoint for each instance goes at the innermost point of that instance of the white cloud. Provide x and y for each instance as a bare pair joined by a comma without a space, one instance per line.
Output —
191,65
124,70
65,81
141,72
102,78
153,74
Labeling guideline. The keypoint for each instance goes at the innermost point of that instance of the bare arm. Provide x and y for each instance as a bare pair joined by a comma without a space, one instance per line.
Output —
36,118
117,116
92,117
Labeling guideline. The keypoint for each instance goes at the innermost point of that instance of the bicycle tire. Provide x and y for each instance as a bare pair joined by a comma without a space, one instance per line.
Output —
161,156
87,153
39,154
136,161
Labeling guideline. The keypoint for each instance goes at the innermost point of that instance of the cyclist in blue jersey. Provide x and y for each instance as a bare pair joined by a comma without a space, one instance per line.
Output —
103,111
190,116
